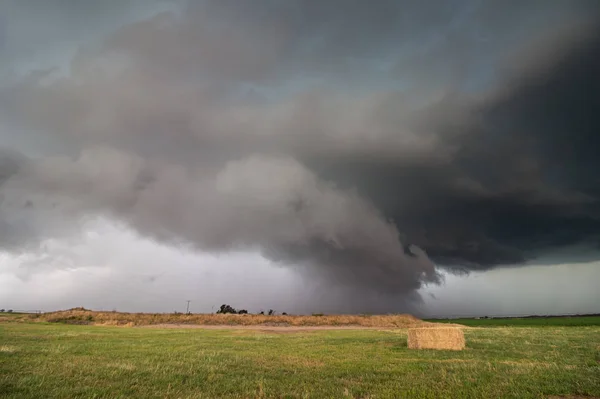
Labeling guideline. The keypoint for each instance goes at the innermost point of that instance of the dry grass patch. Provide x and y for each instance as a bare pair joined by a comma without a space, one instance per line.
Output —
77,316
8,349
436,338
122,366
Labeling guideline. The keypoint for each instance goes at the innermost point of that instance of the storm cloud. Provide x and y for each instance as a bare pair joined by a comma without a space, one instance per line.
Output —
368,144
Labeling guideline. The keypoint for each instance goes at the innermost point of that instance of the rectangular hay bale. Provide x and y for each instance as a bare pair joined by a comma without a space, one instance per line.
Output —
436,338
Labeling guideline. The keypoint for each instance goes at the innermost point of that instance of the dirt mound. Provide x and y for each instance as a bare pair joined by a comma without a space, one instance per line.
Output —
263,328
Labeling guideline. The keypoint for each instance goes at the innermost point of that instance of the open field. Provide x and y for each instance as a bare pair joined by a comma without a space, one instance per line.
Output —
68,361
556,321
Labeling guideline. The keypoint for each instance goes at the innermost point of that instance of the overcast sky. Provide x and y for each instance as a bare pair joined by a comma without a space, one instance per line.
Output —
438,158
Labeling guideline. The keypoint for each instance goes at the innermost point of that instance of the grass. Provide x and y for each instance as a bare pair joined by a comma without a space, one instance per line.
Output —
566,321
82,316
67,361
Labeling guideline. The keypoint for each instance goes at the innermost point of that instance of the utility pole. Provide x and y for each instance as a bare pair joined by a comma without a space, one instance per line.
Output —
187,311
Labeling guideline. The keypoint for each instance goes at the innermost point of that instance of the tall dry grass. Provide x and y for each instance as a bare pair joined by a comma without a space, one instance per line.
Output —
76,316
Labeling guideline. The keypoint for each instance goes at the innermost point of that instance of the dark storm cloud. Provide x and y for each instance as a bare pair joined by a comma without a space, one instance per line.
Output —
248,125
523,178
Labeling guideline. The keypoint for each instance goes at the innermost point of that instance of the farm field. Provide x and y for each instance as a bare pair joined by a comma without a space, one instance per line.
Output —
556,321
52,360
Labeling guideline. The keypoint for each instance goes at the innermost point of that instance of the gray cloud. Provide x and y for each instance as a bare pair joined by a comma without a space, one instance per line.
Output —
309,130
272,205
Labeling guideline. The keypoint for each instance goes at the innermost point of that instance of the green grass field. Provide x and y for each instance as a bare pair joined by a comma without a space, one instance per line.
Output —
39,360
577,321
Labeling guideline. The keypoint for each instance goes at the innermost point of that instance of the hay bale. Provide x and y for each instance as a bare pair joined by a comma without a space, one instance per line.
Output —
436,338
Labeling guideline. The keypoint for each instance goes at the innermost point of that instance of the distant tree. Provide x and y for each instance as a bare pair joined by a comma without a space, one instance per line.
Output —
271,312
243,311
226,309
284,314
9,310
261,312
1,310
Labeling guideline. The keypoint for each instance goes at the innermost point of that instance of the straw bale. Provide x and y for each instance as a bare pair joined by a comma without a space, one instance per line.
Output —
436,338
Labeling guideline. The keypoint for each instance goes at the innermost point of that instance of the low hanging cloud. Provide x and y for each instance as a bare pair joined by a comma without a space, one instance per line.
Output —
272,205
365,145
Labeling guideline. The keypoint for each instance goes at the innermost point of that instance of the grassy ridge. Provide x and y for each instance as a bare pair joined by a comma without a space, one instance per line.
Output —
77,316
65,361
567,321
